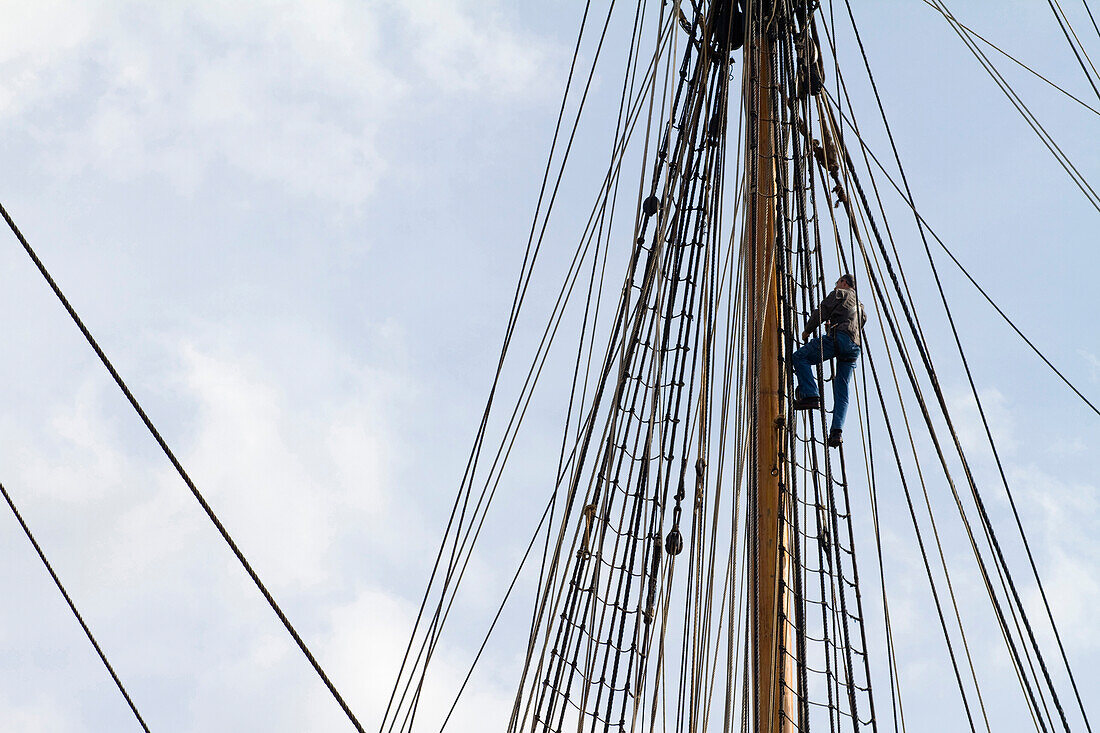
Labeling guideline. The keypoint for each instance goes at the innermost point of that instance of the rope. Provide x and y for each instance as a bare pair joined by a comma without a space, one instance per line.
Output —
1029,117
1091,18
1067,29
943,11
989,434
620,638
182,473
72,607
910,318
1091,405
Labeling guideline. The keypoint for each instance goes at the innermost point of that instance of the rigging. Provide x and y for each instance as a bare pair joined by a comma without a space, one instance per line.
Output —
696,373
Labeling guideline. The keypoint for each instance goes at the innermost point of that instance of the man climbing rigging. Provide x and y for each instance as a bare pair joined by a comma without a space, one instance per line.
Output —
843,317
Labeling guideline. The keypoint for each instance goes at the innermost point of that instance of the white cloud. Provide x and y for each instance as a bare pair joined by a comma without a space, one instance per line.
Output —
968,421
295,485
37,44
467,51
1093,362
83,466
1064,514
38,714
292,93
290,479
262,485
367,640
1063,447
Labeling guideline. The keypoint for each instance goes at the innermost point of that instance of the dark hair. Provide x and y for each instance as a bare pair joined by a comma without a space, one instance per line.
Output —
849,278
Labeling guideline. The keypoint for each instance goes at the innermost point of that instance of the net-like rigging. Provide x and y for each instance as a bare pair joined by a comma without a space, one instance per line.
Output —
699,563
683,439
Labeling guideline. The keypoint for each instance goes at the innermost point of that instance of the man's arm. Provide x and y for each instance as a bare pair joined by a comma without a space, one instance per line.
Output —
816,317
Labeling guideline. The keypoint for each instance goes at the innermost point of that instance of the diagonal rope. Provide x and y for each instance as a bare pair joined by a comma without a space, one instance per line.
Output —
950,18
1091,17
1029,117
1067,30
966,272
180,470
72,607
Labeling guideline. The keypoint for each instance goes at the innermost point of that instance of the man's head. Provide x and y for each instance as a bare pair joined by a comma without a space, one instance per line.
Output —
846,281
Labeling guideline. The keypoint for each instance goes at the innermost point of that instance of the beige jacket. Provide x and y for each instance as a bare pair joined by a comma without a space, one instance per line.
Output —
840,311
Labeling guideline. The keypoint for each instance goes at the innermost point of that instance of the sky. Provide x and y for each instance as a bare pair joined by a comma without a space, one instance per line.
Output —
295,227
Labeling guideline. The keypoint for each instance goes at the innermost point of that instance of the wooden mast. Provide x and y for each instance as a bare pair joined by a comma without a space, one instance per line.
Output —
771,602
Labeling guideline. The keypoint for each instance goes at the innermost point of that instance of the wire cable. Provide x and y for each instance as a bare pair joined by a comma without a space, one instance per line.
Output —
1091,405
1067,30
180,470
951,18
72,607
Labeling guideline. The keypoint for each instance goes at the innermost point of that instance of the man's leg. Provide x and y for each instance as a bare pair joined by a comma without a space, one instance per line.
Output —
847,355
814,352
803,360
844,368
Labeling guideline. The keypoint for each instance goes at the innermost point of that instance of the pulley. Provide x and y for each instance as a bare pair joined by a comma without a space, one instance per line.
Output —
674,542
727,29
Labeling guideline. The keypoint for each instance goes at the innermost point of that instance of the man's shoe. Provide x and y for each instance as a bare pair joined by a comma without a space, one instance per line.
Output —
807,403
835,439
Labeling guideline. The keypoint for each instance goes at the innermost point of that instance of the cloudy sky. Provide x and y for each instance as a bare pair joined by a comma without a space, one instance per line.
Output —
295,227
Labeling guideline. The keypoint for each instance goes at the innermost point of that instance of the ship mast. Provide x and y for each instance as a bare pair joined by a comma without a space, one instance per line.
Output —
641,613
771,601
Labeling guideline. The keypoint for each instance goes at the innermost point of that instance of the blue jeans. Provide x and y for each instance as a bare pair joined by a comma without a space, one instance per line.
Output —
817,350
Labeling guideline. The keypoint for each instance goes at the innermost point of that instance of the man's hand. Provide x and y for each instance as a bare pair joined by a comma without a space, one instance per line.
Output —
805,335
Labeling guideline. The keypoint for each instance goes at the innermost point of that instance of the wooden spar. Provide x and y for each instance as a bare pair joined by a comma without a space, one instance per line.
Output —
775,706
